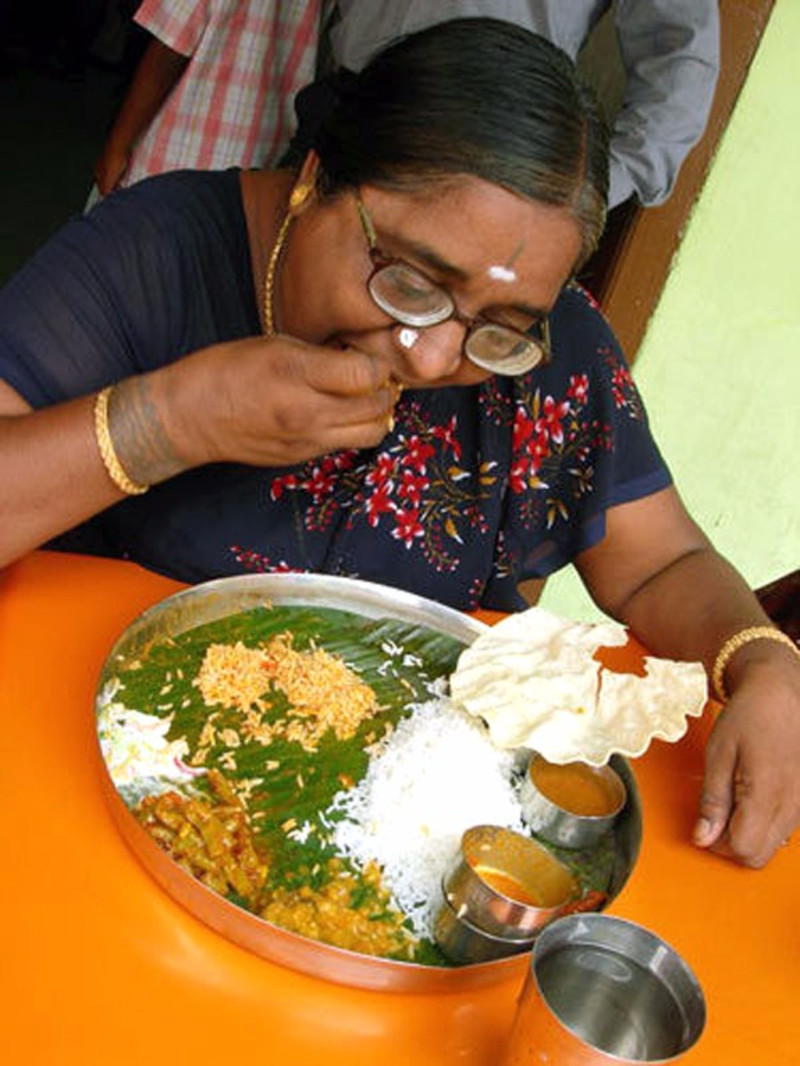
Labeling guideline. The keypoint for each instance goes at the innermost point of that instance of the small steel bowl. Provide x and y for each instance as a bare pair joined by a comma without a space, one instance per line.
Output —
571,805
463,942
507,884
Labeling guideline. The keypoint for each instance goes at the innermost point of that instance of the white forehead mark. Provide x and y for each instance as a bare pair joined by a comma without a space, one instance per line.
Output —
502,273
505,273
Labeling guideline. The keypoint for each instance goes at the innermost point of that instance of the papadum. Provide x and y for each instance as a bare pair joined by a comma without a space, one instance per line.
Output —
535,682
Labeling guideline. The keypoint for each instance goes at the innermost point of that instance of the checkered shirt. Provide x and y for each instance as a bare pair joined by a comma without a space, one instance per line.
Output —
234,104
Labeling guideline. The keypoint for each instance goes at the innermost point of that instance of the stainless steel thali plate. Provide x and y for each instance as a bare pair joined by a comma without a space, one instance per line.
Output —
227,597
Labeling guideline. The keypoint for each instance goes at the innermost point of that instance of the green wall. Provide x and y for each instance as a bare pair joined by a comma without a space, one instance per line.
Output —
719,366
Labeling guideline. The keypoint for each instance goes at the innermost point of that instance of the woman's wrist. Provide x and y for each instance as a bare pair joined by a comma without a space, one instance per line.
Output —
195,406
141,432
107,448
759,650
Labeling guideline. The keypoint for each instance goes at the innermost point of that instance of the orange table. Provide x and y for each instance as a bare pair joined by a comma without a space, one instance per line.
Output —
100,966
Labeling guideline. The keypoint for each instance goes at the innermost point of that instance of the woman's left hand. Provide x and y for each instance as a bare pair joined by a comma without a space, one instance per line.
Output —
750,803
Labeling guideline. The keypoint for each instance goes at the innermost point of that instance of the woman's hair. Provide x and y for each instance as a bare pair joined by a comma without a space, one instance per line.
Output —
470,96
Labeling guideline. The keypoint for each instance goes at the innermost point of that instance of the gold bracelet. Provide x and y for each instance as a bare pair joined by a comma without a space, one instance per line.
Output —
108,453
738,640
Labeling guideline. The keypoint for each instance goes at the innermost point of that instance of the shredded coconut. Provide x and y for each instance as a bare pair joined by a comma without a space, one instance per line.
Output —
324,692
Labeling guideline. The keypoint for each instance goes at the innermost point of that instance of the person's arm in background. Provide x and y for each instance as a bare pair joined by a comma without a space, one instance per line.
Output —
159,70
656,572
670,51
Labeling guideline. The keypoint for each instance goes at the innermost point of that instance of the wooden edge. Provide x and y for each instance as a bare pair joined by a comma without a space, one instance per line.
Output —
639,261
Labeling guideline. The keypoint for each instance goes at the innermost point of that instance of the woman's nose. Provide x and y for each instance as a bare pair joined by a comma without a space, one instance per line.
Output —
431,352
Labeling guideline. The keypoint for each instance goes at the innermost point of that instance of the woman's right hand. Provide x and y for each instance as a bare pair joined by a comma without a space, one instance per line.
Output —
275,402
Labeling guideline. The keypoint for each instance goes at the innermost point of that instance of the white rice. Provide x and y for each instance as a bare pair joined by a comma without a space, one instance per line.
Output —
436,775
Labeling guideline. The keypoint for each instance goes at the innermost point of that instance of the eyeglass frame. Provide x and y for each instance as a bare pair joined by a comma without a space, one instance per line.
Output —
380,260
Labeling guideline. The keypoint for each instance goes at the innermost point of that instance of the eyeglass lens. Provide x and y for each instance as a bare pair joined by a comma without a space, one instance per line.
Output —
413,299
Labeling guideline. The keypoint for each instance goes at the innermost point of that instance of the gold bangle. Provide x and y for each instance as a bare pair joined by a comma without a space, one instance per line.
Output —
108,453
738,640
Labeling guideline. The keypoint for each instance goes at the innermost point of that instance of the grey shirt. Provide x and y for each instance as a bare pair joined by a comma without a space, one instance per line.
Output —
669,50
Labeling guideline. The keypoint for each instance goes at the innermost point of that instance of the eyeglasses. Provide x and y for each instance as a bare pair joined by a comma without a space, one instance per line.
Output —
411,298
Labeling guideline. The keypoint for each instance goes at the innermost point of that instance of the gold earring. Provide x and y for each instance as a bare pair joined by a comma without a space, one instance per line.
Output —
299,194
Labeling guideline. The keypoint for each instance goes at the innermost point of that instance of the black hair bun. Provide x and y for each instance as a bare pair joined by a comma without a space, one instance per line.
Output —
313,105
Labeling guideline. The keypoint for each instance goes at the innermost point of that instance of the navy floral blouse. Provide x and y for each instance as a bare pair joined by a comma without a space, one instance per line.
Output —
474,490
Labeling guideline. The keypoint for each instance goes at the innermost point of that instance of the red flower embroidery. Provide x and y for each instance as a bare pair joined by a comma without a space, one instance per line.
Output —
378,503
383,471
320,484
539,449
447,435
260,564
417,453
408,528
518,474
279,484
578,388
412,487
523,428
550,420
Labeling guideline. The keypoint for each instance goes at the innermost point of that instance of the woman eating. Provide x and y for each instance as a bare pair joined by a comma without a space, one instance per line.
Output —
376,364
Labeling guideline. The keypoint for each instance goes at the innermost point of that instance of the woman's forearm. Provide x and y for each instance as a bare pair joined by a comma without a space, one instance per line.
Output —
656,572
689,609
51,467
52,475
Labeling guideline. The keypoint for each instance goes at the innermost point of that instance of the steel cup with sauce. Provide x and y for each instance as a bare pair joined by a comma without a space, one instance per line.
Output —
573,804
504,885
465,943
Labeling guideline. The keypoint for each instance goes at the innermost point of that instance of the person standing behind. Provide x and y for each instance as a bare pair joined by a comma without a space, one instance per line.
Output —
214,88
669,51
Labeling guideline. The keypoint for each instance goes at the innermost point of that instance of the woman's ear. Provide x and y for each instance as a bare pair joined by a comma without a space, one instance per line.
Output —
305,184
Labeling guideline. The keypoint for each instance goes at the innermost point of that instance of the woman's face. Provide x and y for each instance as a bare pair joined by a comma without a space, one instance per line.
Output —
499,256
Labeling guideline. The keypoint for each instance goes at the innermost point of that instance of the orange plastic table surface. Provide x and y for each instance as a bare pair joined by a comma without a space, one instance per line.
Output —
99,965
